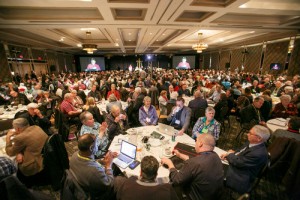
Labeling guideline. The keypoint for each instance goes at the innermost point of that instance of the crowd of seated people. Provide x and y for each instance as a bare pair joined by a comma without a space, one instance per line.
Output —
76,95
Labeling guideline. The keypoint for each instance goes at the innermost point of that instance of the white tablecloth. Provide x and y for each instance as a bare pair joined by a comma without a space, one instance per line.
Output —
278,123
2,147
157,152
11,114
102,105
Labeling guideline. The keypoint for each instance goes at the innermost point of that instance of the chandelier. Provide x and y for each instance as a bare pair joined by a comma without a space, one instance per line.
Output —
89,48
200,46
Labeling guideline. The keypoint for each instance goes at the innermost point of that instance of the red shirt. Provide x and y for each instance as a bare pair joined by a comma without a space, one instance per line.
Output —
66,107
116,93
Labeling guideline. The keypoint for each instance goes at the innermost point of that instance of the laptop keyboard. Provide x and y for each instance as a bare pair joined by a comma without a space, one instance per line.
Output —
124,159
120,163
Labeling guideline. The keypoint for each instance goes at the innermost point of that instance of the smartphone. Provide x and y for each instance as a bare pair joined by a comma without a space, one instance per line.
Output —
134,164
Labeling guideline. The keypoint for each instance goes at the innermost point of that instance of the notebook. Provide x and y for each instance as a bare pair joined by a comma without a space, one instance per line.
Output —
166,129
127,155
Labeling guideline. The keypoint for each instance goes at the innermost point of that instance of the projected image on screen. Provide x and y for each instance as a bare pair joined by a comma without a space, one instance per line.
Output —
275,66
90,64
184,62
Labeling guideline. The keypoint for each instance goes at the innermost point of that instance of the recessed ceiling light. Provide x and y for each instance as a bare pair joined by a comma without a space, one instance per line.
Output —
79,45
150,33
243,6
252,32
87,29
221,40
164,34
169,45
157,40
129,40
129,33
116,44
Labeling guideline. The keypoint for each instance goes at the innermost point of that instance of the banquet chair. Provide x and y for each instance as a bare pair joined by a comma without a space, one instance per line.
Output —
256,181
196,114
20,113
169,107
64,126
222,118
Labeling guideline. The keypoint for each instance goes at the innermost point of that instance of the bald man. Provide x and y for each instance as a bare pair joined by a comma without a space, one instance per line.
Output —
201,177
94,178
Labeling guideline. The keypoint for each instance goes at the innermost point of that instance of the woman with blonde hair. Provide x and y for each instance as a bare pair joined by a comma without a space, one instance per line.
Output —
92,108
163,100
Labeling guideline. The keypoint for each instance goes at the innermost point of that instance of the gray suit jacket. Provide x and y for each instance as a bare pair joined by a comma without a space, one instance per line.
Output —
185,117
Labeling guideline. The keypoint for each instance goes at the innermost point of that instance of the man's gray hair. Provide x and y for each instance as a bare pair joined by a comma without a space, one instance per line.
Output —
20,123
138,90
262,132
285,97
67,96
210,109
83,116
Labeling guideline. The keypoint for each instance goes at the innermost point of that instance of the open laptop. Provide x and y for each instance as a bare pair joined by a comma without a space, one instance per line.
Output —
127,155
166,129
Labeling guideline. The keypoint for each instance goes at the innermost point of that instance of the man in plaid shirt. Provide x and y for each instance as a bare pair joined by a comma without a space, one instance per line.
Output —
7,167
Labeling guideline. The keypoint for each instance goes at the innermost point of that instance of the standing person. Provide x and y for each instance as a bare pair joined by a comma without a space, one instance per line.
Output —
146,187
201,177
246,162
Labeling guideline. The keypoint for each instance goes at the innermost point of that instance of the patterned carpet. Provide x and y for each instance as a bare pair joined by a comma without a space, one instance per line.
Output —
268,189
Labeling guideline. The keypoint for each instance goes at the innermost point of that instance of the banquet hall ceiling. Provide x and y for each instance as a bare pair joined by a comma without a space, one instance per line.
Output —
146,26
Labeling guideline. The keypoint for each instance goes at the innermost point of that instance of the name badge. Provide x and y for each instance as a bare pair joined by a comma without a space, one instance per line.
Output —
147,120
177,122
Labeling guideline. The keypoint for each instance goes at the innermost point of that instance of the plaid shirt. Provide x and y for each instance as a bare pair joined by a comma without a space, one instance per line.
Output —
213,128
101,143
66,107
7,167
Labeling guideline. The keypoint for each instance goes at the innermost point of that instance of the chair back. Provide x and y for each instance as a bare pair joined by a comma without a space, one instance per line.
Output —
169,107
71,188
20,113
261,173
55,160
223,113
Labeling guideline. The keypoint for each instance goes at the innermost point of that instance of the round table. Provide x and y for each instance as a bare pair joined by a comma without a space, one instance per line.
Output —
102,105
278,123
10,114
157,151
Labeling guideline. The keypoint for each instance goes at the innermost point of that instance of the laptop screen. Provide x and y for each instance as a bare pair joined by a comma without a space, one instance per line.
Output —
128,149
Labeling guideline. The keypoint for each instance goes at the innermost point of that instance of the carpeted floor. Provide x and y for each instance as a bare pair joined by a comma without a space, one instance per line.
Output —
268,189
